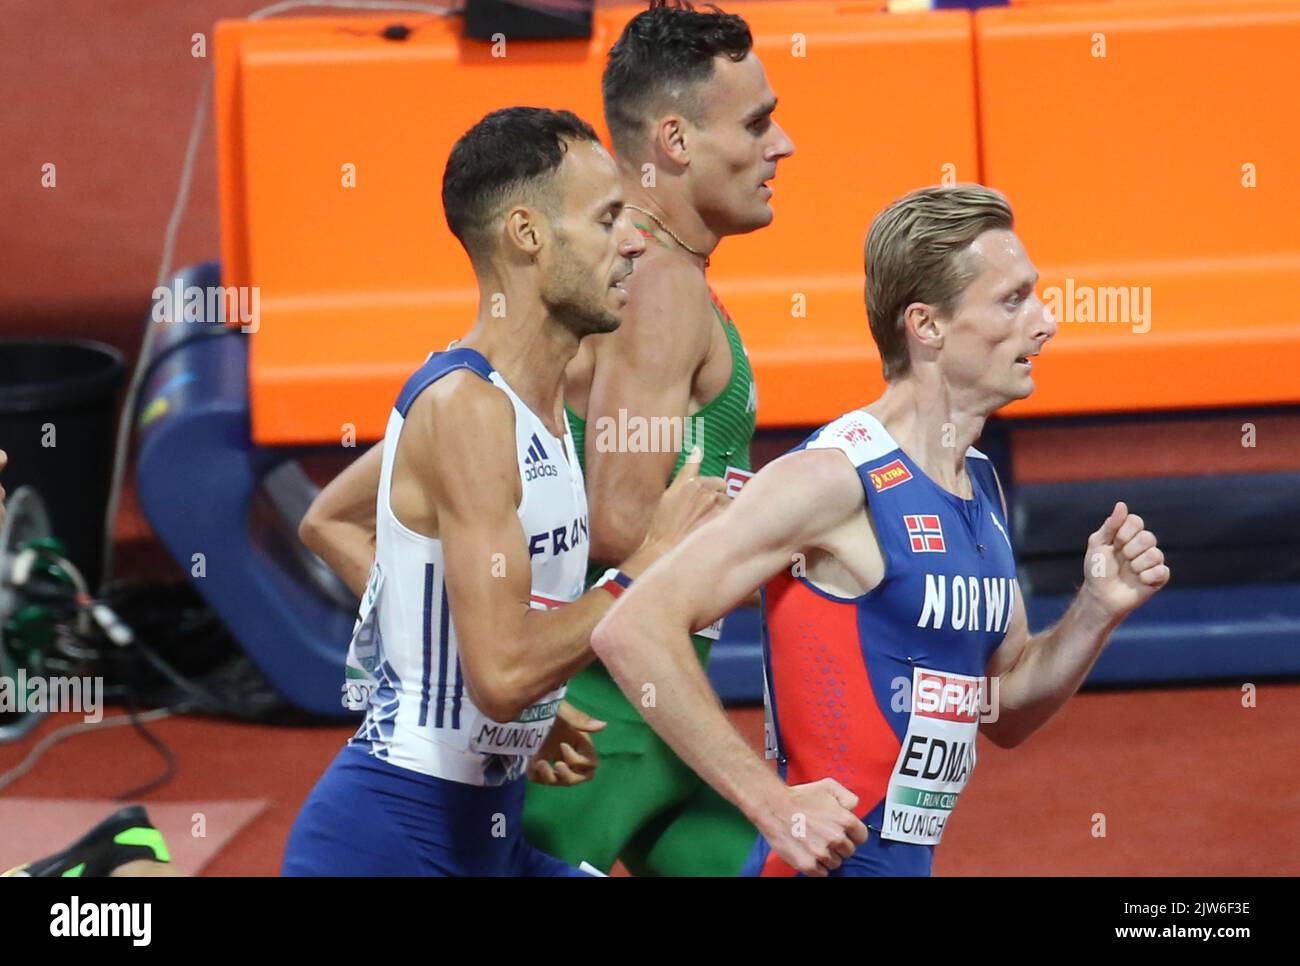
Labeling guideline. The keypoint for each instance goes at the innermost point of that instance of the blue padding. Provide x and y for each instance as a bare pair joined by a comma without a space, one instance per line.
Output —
1186,633
197,474
736,662
1184,511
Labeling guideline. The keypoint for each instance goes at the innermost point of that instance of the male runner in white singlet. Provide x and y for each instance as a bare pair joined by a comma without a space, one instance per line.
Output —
462,648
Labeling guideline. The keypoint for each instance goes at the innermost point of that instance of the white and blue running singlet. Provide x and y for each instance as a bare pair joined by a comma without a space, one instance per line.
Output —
404,665
429,784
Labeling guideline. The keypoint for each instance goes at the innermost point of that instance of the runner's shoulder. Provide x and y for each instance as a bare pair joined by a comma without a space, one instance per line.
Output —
463,405
667,316
809,476
665,279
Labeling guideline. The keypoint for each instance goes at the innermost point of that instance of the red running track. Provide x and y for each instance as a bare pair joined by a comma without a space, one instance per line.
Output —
1189,782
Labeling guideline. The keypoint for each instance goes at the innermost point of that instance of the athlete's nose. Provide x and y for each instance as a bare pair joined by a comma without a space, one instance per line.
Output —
1048,323
783,146
633,244
1044,323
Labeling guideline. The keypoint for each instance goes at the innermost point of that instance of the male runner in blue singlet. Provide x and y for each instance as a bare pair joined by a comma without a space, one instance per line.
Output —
895,629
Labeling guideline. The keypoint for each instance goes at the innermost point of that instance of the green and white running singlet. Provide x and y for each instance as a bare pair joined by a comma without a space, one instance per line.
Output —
644,805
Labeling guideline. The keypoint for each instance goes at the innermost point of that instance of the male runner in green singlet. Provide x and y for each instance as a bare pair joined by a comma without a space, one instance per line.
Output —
689,112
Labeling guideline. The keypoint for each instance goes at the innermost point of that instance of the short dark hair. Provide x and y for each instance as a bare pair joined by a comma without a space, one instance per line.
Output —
513,151
668,46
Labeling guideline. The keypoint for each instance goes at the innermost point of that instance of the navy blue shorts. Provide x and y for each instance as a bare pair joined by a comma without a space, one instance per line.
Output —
370,818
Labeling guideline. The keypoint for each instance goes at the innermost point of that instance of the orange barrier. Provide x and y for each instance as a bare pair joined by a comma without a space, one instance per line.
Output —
1126,135
332,144
1125,171
358,284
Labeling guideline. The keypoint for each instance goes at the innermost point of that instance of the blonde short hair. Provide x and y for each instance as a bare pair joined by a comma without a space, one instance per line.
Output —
916,251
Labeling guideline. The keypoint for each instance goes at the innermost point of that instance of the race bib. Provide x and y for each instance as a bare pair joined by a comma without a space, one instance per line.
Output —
523,736
364,648
712,632
937,757
735,479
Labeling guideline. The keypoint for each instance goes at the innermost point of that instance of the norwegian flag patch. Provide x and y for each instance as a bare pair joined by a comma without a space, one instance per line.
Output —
925,532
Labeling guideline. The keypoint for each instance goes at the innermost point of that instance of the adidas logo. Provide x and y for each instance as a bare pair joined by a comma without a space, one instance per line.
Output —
536,463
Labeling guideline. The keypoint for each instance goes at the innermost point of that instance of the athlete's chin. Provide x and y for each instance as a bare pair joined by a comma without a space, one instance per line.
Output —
1003,394
1023,389
752,218
761,217
607,321
614,308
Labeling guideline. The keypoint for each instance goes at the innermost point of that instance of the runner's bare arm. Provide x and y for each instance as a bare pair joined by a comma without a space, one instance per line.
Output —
339,526
643,372
1123,568
460,434
644,642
